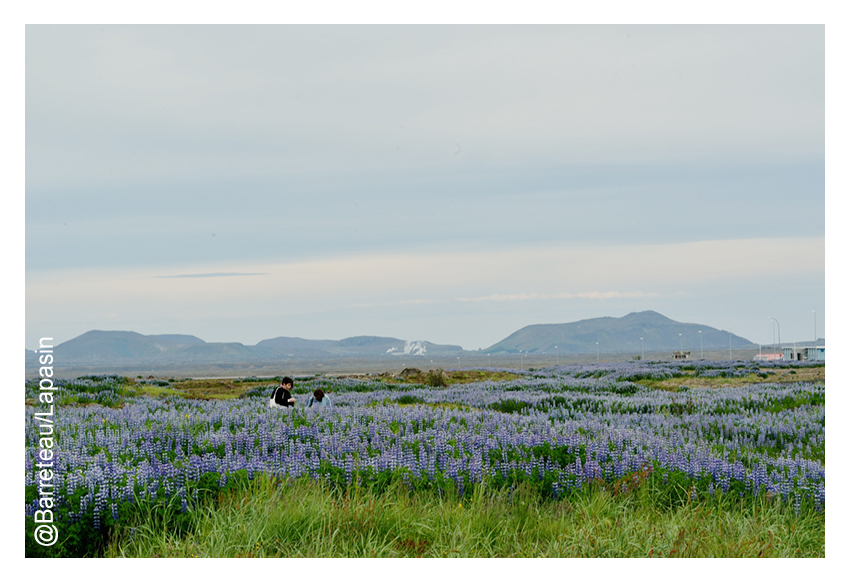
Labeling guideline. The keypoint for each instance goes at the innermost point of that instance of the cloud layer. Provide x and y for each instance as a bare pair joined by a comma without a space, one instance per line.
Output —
175,103
128,298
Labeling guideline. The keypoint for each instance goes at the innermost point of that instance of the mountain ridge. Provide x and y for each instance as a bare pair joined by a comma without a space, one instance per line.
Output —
97,347
613,334
617,335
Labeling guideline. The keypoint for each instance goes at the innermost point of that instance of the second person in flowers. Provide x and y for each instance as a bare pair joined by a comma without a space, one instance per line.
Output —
320,399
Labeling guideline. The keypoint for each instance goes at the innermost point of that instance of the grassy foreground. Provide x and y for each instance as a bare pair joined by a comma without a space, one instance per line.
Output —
308,519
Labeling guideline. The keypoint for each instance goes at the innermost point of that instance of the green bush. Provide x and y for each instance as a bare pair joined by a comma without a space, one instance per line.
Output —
509,406
409,399
435,378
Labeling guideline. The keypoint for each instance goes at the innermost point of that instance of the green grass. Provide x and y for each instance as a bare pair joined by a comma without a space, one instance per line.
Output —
448,377
307,519
688,379
158,391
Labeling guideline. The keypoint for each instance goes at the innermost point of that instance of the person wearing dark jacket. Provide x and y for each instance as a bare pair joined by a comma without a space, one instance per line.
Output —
282,397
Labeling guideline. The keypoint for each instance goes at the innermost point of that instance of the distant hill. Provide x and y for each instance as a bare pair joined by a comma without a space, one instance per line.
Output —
118,350
358,346
617,335
99,348
109,346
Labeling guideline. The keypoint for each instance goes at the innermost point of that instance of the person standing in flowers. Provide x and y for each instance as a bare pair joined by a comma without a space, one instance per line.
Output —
281,398
320,399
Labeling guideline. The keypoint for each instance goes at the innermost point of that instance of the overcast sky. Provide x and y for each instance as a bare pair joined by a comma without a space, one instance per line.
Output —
443,183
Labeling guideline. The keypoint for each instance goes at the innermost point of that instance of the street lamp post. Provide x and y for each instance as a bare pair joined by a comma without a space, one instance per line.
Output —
700,344
730,343
681,345
641,348
779,334
773,339
815,315
557,357
597,352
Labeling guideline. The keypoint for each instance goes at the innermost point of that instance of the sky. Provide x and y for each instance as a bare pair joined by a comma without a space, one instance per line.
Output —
443,183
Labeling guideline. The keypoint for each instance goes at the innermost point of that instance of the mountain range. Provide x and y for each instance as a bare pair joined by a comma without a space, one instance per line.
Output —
124,347
636,332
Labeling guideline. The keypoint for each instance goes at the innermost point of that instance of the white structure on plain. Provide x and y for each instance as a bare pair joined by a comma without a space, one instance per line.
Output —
416,348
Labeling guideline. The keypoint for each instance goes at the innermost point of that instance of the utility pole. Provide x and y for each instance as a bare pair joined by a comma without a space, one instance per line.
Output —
779,334
815,314
773,331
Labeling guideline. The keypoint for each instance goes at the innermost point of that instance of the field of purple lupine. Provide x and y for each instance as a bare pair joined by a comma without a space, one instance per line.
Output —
559,428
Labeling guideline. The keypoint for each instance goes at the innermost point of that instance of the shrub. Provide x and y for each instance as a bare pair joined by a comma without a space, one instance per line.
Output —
409,399
509,406
435,378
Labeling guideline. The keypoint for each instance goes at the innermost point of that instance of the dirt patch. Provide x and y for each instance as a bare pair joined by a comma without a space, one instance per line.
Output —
215,389
416,376
777,375
797,375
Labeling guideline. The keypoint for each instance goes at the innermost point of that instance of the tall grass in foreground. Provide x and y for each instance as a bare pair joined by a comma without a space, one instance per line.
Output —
302,518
